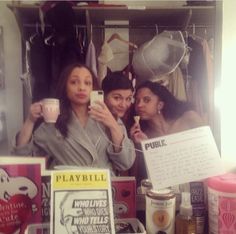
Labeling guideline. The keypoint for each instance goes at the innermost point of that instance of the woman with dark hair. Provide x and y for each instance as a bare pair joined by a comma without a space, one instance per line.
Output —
118,92
83,135
118,95
160,114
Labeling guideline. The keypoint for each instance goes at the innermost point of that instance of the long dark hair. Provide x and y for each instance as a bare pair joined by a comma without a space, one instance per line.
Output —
173,108
65,106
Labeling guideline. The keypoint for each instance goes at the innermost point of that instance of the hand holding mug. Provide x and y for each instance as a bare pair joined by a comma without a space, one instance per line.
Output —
35,112
50,109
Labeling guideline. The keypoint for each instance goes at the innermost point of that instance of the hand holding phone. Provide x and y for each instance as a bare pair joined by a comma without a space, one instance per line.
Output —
96,95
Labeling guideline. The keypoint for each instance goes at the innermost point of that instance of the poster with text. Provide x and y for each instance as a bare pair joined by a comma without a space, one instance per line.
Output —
46,193
182,157
81,202
20,197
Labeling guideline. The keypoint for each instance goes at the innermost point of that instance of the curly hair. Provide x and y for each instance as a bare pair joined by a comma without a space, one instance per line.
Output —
173,108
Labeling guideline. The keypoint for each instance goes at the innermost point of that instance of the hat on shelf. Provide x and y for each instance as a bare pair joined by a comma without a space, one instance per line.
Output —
159,56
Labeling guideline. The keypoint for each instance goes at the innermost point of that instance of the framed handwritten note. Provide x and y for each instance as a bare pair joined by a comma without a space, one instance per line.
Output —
182,157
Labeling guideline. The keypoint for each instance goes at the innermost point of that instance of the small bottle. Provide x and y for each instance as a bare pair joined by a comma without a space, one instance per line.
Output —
185,223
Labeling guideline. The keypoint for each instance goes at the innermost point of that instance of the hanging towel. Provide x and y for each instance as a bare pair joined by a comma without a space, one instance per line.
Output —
90,59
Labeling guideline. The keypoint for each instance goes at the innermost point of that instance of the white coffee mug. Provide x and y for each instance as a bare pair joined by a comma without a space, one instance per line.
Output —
50,109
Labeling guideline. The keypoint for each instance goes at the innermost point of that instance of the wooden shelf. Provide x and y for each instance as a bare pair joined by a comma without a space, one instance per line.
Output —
177,16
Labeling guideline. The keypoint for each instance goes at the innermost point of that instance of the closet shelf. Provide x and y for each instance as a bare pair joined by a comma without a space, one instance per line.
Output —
170,16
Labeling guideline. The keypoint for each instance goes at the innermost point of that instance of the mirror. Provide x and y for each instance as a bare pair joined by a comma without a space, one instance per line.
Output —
13,99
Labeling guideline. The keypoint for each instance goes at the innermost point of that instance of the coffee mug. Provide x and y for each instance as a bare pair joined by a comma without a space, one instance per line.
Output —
50,109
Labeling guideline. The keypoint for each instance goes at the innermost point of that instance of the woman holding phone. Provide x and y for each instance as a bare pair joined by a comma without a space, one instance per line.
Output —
83,135
118,94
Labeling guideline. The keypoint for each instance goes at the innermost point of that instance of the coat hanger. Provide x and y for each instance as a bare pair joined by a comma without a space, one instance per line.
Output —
32,37
156,27
205,33
49,40
91,33
194,36
118,37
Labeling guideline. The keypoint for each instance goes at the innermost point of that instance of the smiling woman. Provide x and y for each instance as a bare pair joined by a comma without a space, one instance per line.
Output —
118,90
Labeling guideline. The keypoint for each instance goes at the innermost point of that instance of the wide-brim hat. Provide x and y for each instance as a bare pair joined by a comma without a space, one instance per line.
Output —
159,56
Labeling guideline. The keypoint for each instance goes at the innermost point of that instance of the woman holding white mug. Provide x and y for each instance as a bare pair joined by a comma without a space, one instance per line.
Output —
82,135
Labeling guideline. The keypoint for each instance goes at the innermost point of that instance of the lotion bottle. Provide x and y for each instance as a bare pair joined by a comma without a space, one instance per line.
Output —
185,221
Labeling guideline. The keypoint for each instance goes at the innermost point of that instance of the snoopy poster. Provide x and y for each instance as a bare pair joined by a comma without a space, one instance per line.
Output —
20,197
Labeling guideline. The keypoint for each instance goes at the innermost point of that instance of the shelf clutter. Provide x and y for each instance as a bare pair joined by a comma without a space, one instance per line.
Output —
179,17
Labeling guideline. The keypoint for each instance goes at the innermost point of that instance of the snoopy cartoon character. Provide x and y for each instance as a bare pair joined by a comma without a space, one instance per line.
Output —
11,186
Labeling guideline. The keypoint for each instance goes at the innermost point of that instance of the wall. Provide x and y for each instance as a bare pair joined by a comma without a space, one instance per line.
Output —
226,94
11,96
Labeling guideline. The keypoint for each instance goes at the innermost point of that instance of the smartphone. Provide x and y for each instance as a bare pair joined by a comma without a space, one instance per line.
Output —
96,95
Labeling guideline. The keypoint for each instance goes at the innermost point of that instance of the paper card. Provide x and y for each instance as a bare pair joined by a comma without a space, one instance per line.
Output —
182,157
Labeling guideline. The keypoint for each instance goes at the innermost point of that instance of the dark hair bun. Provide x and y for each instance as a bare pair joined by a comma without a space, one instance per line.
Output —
116,80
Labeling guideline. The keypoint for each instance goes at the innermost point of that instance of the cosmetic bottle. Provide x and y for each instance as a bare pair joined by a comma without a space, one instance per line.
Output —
185,222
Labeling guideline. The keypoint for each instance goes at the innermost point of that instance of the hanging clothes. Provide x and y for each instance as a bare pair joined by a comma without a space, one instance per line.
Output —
26,77
91,59
210,78
115,56
64,46
105,56
40,57
175,84
198,88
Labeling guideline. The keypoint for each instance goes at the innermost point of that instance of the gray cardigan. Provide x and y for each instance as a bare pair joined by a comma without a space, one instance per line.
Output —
89,146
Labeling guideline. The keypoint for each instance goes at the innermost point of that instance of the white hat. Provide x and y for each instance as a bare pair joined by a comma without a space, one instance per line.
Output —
159,56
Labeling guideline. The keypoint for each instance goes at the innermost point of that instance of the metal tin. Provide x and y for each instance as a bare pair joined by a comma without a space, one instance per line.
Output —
145,185
160,211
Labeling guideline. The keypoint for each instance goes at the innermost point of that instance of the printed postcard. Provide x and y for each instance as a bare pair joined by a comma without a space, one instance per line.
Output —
124,196
20,197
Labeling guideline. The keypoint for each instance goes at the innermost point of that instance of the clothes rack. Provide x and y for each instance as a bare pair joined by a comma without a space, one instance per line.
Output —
128,26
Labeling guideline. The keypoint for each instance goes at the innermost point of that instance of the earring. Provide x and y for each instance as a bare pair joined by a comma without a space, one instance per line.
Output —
159,112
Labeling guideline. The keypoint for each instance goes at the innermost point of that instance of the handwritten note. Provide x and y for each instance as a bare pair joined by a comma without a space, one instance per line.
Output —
182,157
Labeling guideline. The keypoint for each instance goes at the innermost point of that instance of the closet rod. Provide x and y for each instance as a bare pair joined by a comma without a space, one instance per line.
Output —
127,26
